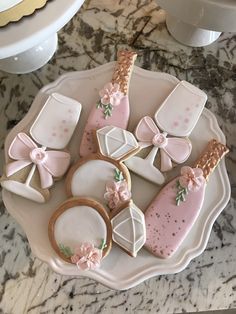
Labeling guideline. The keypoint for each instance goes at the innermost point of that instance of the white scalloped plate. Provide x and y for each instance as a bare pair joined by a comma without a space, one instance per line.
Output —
147,91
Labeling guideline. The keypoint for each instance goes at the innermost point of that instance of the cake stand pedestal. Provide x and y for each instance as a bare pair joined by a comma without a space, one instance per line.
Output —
27,45
188,34
31,59
199,23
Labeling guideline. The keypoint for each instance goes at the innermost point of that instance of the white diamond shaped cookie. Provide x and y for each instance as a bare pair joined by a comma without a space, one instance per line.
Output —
116,143
129,230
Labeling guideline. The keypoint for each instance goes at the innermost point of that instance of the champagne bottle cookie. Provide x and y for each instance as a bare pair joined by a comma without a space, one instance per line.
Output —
171,215
37,156
113,106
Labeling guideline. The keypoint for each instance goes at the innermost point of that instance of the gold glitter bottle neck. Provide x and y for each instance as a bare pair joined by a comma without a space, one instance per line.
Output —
210,158
123,69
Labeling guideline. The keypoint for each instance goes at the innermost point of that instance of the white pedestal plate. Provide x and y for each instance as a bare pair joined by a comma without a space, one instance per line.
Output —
198,23
30,43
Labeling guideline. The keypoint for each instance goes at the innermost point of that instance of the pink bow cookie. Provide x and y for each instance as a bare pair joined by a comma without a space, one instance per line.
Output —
171,148
49,163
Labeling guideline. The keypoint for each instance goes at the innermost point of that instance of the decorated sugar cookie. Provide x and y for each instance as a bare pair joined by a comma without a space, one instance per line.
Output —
36,157
128,228
113,105
102,175
177,116
80,232
171,215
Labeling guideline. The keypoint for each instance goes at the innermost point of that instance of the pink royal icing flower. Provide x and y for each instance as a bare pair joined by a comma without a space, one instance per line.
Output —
191,178
87,257
117,193
110,94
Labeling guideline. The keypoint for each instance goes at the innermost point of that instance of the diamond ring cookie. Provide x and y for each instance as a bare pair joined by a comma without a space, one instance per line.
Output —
37,156
176,117
103,175
80,232
172,213
128,228
113,106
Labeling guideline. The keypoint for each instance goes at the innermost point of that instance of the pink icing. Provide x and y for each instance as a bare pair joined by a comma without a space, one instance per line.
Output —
117,193
110,94
87,257
167,225
49,163
96,120
173,148
191,178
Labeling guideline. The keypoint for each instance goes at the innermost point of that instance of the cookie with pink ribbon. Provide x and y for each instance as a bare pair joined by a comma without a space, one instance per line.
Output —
167,132
37,157
172,213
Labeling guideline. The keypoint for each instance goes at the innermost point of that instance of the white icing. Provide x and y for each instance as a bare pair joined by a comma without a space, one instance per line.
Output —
115,142
23,190
80,224
7,4
129,230
56,122
145,168
91,178
180,111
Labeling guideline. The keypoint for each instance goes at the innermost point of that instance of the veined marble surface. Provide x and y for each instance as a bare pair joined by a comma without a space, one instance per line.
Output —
92,38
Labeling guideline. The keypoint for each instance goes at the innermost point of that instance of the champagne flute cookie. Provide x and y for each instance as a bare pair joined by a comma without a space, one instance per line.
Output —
32,166
80,232
177,116
171,215
113,106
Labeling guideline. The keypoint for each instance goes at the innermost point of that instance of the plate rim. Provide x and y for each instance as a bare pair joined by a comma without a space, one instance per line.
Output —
150,272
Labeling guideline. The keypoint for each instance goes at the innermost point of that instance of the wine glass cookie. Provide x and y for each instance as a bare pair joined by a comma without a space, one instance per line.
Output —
103,175
80,232
113,106
172,213
177,116
36,157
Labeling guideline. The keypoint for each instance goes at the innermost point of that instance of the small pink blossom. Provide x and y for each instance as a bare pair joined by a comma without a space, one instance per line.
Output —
191,178
87,257
160,140
117,193
110,94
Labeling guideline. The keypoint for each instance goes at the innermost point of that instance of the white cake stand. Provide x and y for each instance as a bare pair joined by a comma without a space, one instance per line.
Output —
198,23
30,43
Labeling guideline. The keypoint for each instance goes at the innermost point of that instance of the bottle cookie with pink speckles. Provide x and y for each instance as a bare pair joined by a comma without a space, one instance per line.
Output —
37,156
172,213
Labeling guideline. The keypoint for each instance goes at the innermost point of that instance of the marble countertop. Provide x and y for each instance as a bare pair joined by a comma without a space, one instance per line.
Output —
90,39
